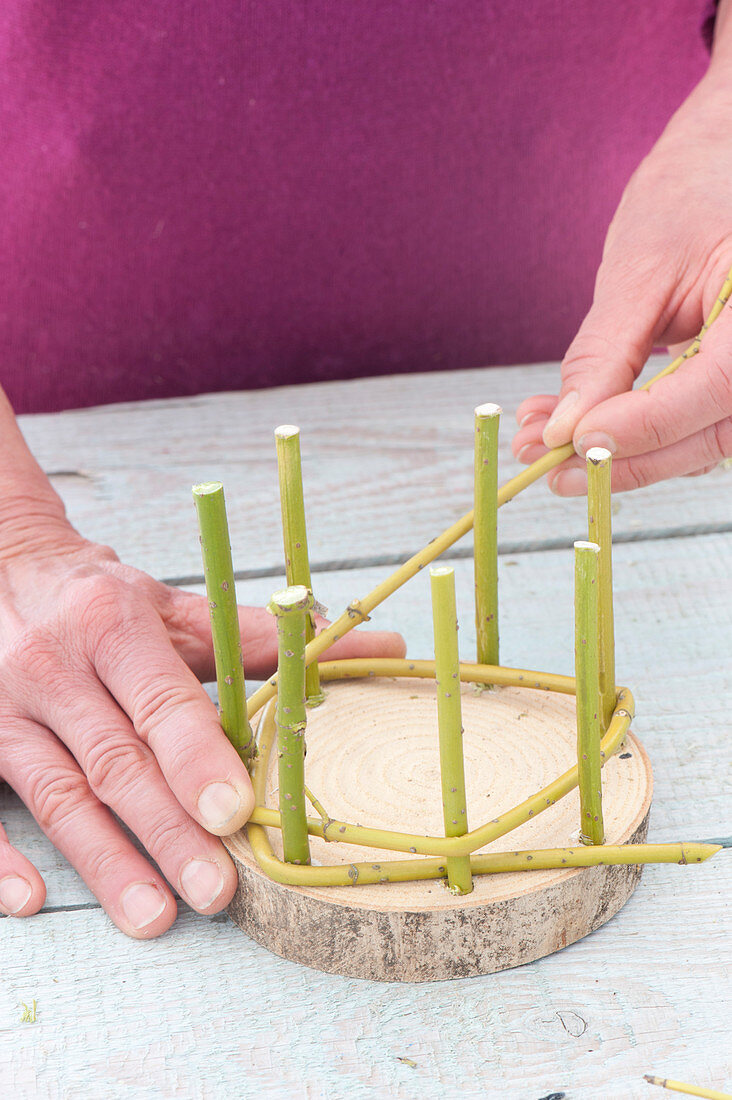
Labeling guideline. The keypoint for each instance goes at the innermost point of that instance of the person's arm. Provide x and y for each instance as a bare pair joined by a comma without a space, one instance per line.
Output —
102,713
667,253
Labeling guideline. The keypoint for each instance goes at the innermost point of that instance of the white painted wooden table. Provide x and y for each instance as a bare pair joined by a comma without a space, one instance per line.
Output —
204,1012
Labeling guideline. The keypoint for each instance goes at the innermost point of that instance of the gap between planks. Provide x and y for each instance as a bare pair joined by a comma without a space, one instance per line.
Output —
460,553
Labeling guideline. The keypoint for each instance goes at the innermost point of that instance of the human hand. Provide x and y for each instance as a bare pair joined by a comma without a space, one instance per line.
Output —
102,714
667,253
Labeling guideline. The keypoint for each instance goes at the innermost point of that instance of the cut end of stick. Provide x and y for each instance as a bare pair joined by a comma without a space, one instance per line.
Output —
286,431
295,598
488,411
598,456
441,570
206,488
587,546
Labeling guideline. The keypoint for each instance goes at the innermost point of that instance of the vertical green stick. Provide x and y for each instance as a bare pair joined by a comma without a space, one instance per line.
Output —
220,589
294,532
485,537
292,606
599,521
449,718
587,673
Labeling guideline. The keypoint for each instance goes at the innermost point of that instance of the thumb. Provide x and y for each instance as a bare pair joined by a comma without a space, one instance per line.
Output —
613,343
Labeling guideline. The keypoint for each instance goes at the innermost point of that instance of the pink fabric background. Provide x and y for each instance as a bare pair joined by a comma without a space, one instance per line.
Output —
200,196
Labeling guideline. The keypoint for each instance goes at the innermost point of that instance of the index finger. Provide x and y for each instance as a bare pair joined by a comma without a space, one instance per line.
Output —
173,715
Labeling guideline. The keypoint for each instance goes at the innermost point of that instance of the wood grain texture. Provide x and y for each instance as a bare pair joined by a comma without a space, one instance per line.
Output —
392,484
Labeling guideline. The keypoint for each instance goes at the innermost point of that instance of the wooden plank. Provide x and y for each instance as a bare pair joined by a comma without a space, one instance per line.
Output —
388,464
671,626
207,1013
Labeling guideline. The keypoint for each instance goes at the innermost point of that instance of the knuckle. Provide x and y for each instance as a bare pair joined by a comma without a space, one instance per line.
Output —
717,442
590,351
100,603
168,834
157,704
102,862
34,657
31,651
114,764
657,424
656,430
55,798
634,474
720,380
627,269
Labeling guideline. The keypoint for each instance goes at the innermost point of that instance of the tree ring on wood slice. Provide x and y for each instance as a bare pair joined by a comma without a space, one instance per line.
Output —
372,759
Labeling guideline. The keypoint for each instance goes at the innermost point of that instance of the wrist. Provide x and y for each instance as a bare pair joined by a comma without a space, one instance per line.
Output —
34,523
31,511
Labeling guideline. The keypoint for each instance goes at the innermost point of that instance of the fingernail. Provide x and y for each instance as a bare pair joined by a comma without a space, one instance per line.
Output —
570,483
565,405
596,439
142,903
202,882
217,804
524,450
529,418
15,893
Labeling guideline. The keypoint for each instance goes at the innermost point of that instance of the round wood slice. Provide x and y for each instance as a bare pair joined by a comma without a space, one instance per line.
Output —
372,759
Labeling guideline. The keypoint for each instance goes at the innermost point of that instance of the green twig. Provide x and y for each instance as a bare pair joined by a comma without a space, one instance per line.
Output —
294,532
485,537
688,1090
449,717
221,591
589,732
319,809
291,606
599,522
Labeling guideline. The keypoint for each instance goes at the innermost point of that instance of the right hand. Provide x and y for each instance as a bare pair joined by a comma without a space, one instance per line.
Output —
102,716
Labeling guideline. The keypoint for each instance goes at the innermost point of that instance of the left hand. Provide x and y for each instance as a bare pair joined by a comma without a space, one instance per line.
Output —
103,718
667,254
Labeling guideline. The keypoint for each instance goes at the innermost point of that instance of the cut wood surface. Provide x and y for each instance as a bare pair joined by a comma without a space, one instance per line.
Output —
373,759
204,1012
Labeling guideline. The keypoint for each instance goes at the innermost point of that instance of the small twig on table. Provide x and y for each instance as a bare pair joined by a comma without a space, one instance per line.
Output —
689,1090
